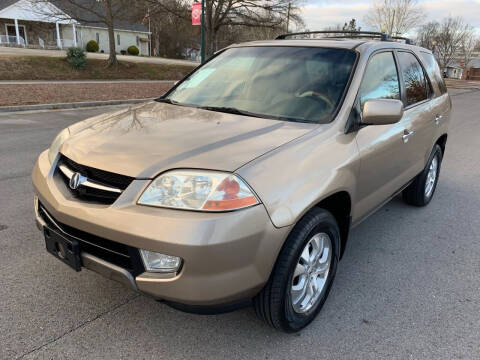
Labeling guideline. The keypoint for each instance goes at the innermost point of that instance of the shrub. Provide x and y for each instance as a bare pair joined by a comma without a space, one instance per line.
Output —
92,46
77,58
133,50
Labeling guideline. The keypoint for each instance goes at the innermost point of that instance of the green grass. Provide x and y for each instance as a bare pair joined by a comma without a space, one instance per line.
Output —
54,68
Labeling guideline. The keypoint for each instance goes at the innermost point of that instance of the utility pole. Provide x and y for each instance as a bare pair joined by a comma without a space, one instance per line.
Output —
393,23
288,15
203,32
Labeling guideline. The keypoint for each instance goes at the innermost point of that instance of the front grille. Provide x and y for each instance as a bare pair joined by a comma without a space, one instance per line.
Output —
101,177
127,257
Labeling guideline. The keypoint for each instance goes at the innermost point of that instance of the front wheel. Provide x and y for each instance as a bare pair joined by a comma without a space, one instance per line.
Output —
303,274
421,190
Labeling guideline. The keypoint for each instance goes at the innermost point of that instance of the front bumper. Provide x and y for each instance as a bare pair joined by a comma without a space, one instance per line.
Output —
227,257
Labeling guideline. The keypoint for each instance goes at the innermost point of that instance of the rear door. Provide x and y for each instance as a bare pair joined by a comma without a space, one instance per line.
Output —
440,102
419,112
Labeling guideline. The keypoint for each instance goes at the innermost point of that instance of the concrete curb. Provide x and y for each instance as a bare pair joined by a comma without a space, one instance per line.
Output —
4,109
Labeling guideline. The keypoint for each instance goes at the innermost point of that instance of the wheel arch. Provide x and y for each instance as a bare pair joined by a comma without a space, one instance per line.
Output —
442,142
339,204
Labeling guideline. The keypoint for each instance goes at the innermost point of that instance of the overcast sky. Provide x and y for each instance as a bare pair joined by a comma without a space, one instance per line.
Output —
319,14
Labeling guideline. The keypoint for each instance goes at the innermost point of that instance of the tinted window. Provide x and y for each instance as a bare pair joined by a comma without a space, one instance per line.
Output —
381,79
433,71
290,83
415,82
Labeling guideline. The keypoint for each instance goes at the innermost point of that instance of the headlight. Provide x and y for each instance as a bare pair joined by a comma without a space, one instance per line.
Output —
198,190
57,142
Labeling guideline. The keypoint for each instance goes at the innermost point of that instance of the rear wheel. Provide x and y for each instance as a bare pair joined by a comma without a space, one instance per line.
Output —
420,191
303,274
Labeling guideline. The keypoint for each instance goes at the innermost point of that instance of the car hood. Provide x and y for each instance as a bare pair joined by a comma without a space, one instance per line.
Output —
145,140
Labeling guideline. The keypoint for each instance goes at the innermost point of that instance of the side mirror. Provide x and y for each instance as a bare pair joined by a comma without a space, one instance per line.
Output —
382,112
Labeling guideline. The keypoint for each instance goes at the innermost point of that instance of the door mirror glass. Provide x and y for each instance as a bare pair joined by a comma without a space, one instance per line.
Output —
382,112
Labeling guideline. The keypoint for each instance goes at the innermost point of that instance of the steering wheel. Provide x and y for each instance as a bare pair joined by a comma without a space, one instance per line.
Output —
317,96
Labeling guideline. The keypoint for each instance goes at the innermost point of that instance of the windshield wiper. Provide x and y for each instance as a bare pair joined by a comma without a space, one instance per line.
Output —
168,101
230,110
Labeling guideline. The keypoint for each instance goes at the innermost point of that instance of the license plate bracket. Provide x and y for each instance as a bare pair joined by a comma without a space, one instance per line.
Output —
63,248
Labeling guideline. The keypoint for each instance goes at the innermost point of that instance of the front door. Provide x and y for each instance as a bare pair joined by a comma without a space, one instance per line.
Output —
384,149
12,33
143,48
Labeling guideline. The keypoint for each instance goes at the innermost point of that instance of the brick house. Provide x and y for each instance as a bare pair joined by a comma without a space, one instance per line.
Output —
472,71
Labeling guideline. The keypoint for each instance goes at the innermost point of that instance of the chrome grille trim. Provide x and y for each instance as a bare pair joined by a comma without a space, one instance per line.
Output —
69,174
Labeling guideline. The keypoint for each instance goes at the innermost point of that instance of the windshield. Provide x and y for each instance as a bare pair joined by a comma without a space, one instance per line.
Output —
289,83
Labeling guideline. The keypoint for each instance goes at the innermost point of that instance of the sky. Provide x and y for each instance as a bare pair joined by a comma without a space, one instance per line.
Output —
319,14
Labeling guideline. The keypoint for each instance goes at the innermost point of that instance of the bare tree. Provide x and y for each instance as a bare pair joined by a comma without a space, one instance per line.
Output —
106,12
427,35
468,44
395,17
228,14
448,40
172,30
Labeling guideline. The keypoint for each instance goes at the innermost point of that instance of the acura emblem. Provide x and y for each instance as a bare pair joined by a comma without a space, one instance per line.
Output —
76,180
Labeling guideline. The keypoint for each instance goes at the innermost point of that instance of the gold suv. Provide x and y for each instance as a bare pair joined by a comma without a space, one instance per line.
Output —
243,181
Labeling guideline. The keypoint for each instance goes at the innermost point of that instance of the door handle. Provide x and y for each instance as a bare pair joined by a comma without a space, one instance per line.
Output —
407,134
437,119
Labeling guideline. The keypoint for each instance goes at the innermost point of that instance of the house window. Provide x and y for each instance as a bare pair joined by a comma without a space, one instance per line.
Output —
118,39
138,40
98,38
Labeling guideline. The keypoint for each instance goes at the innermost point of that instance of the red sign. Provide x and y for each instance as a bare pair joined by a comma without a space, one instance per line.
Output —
197,14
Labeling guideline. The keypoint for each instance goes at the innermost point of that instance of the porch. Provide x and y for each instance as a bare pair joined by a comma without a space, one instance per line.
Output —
26,25
37,34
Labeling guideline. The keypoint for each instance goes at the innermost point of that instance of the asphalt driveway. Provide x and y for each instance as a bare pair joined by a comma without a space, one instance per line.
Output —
408,286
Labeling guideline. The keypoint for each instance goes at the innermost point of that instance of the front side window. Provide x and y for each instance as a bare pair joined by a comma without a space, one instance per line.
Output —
287,83
381,79
414,78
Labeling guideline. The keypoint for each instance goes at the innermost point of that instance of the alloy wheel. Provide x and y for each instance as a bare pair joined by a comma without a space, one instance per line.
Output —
311,273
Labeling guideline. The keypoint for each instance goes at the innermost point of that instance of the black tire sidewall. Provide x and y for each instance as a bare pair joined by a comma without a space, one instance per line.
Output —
437,152
325,224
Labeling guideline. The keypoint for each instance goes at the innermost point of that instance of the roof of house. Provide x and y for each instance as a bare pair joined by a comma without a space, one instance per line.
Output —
475,63
454,66
85,17
5,3
90,19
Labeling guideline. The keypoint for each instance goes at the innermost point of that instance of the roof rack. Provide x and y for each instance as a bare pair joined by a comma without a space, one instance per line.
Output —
346,34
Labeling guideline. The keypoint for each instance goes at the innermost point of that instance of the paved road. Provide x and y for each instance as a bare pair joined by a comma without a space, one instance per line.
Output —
11,51
408,286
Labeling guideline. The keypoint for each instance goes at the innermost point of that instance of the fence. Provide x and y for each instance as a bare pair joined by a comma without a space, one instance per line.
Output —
11,40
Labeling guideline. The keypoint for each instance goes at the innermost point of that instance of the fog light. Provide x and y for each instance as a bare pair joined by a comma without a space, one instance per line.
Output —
157,262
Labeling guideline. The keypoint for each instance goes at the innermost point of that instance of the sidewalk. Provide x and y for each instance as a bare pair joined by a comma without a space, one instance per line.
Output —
10,51
462,84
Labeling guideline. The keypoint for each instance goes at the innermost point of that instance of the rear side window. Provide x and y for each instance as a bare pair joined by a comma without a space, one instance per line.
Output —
381,79
416,86
433,71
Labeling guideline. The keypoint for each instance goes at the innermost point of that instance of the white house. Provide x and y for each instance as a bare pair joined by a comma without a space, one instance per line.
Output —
45,25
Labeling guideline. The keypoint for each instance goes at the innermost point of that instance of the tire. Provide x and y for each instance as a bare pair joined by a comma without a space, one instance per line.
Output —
276,304
416,193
